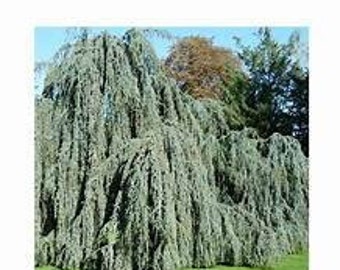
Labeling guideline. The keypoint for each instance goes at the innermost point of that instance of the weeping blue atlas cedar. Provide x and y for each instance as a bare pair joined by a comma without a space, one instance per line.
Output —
133,174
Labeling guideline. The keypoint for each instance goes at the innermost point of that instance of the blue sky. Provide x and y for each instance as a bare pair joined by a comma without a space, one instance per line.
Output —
49,39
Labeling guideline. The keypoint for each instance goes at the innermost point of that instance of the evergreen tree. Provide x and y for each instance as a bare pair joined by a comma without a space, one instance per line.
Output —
278,87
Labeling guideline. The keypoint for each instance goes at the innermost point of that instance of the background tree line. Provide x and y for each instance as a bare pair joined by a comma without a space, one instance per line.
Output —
264,86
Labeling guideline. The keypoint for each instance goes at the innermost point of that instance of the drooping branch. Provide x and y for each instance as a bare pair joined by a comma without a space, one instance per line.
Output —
134,174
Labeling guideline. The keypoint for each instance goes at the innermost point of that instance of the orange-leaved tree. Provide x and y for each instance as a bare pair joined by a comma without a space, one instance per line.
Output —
200,68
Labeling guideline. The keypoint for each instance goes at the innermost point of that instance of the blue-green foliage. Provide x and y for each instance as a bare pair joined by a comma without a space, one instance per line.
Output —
133,174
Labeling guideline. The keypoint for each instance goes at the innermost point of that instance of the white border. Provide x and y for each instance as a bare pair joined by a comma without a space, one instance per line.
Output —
18,19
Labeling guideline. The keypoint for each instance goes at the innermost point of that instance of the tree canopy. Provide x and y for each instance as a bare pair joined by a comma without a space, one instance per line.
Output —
277,90
206,71
263,86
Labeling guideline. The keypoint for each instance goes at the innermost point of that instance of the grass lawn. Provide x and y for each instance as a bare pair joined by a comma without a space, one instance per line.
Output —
292,262
46,268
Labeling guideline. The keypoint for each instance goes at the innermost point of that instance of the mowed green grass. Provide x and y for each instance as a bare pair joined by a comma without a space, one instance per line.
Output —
294,262
291,262
46,268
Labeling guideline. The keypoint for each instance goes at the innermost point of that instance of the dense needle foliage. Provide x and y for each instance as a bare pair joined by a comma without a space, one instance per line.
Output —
277,95
132,173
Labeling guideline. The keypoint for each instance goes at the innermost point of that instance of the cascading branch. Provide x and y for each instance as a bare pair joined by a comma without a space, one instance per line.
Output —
132,174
